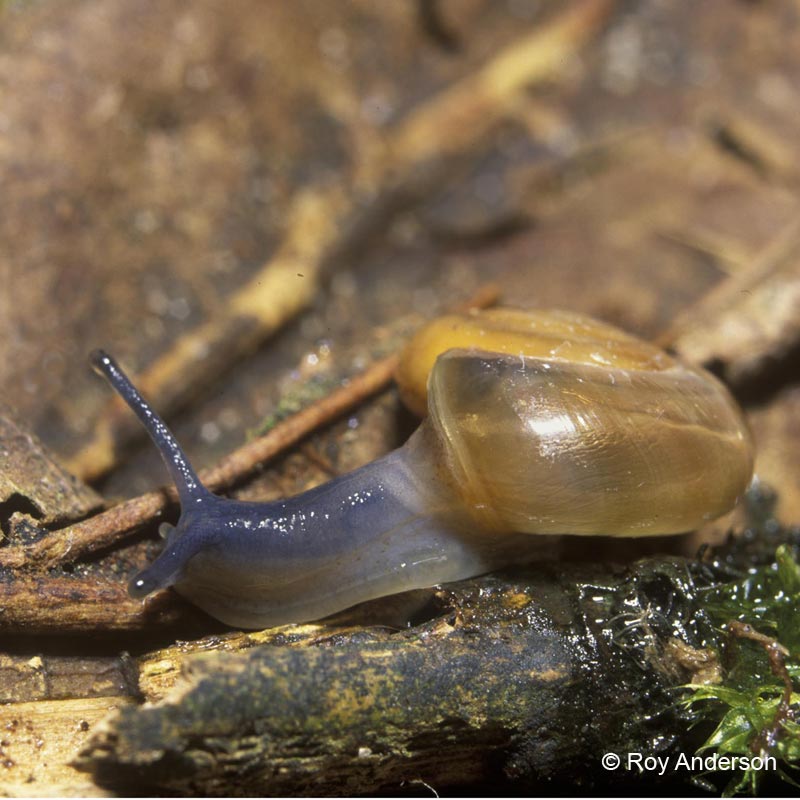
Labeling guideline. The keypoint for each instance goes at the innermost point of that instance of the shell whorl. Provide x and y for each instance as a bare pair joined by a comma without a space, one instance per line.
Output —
551,422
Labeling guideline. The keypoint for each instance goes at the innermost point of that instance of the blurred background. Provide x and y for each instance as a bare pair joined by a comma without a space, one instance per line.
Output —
233,197
250,202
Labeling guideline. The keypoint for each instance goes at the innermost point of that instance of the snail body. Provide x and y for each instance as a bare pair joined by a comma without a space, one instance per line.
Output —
539,423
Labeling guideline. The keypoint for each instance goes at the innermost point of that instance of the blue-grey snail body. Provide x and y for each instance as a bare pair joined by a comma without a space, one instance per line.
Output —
539,422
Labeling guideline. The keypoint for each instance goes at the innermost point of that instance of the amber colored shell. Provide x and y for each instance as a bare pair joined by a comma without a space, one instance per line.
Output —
572,426
562,336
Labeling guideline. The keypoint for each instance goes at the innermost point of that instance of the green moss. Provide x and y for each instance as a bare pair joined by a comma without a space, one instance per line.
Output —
296,400
746,708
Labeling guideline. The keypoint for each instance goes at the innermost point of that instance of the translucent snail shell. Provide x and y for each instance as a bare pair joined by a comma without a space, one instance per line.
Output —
540,422
619,437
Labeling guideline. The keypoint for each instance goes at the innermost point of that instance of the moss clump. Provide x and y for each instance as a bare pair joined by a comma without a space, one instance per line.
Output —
755,708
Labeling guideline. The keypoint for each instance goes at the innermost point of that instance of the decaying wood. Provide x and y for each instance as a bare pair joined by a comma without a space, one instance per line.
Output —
499,684
32,484
39,602
38,741
25,678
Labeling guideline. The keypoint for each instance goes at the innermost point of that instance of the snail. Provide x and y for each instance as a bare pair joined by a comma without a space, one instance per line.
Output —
541,422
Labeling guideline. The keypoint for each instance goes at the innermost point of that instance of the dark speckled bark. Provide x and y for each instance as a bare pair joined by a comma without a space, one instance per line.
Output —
503,682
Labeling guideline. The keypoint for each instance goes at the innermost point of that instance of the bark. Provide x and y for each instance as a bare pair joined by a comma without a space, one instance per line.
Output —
523,680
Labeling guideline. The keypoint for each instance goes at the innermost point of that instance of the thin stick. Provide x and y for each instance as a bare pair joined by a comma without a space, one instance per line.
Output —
109,527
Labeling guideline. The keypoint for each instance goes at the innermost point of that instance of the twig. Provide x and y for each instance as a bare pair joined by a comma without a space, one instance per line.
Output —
109,527
42,603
